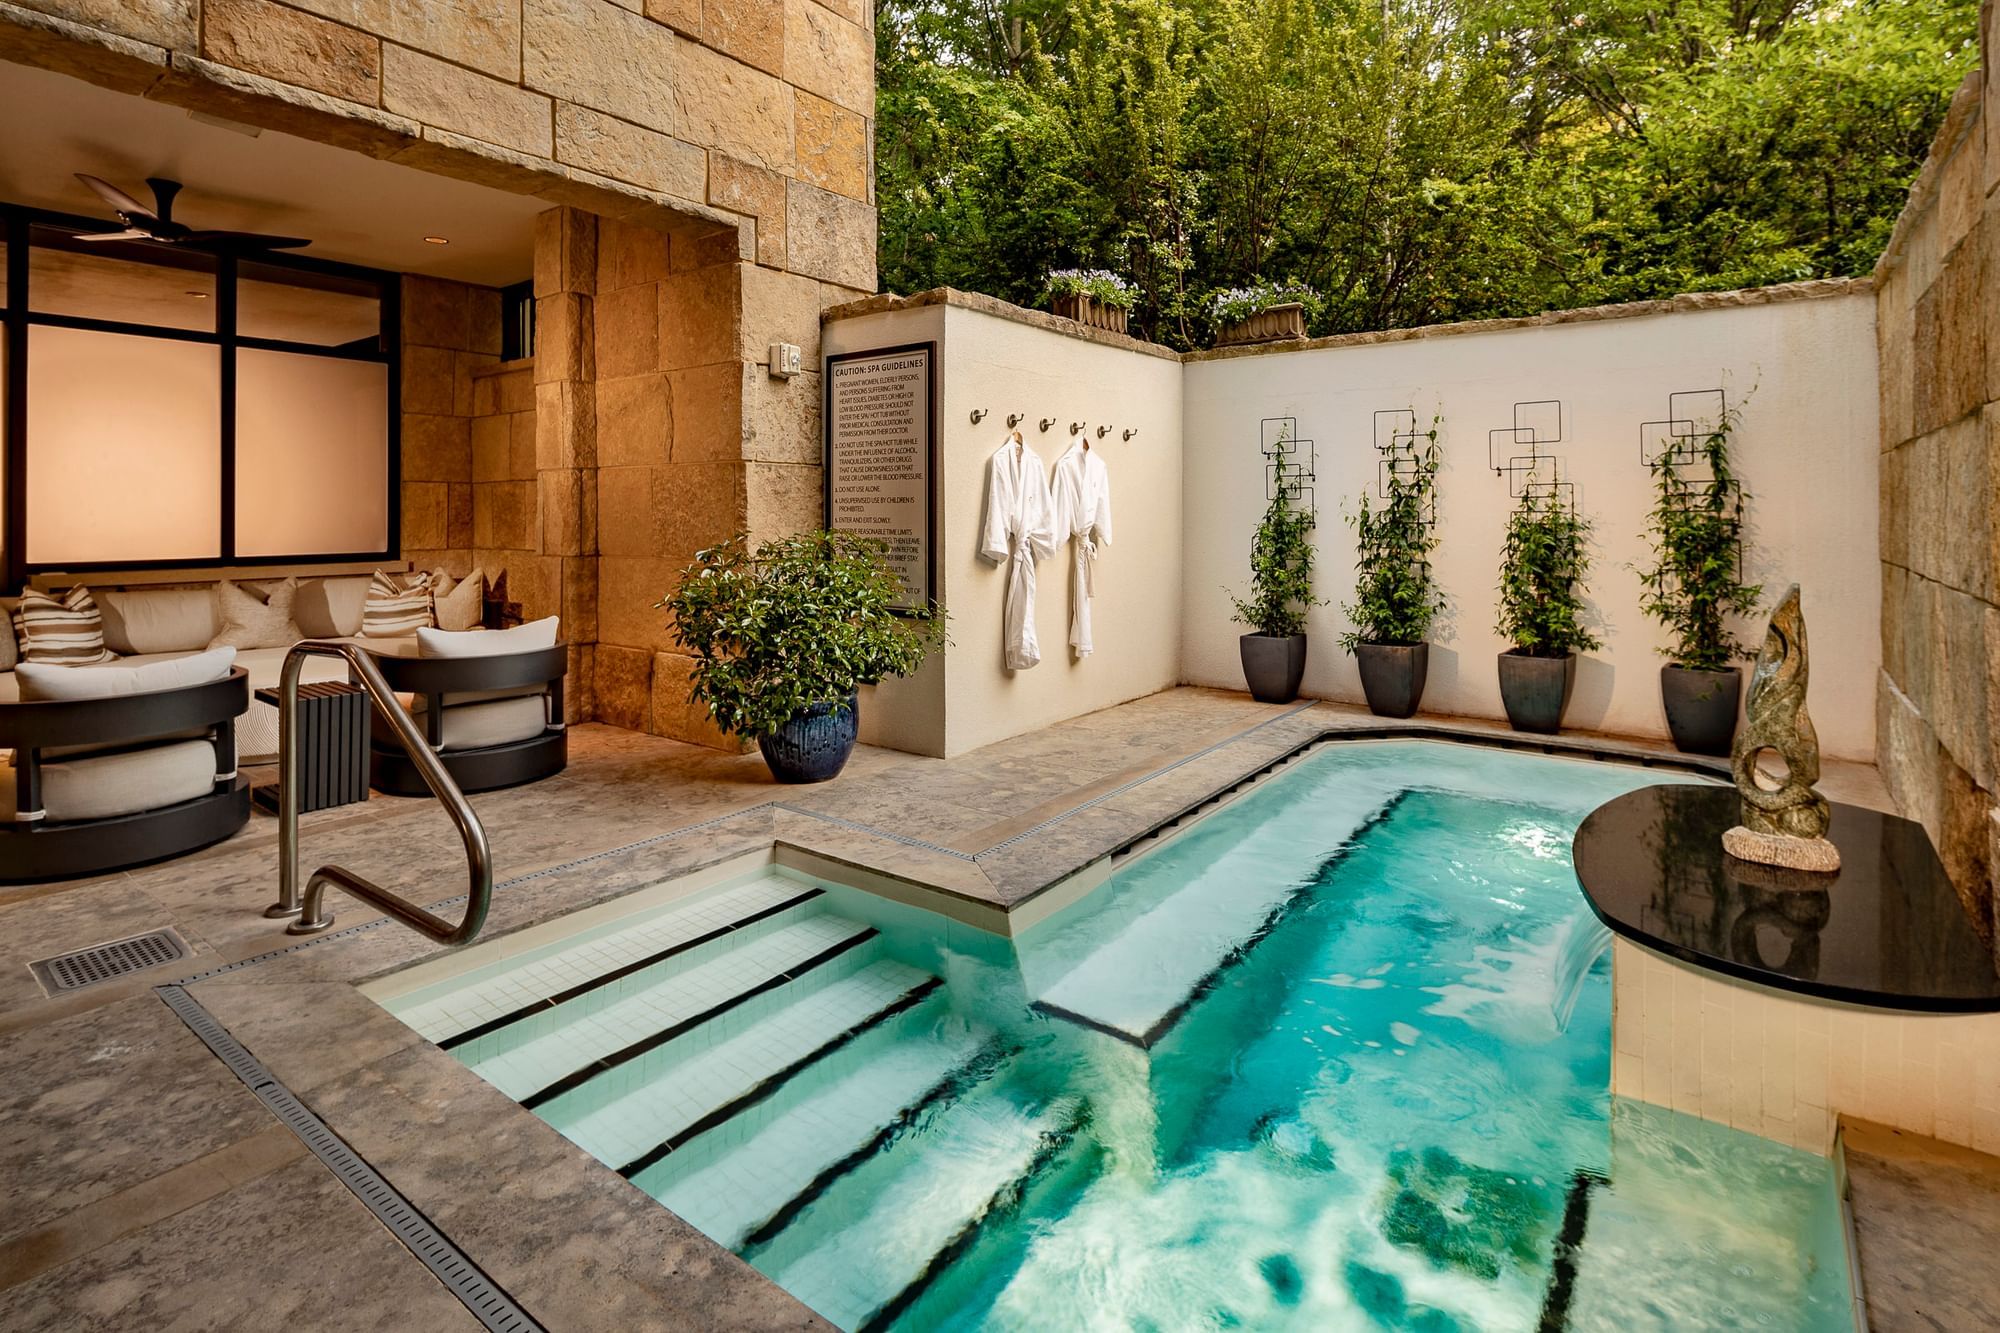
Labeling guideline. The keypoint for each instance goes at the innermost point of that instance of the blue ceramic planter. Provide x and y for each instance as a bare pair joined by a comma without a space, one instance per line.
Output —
814,745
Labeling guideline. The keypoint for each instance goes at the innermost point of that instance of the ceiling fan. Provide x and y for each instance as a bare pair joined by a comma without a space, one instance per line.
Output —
157,223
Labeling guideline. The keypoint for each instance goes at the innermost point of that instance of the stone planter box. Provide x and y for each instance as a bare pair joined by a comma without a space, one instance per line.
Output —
1090,311
1277,324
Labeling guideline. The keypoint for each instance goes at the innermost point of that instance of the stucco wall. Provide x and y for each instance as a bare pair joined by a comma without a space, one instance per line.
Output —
1805,451
1939,322
1004,364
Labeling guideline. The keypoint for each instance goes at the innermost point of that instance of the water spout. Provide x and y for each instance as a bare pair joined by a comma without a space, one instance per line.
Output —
1584,941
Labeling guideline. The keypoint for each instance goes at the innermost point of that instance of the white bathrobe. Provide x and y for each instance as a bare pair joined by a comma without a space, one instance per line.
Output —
1082,490
1020,529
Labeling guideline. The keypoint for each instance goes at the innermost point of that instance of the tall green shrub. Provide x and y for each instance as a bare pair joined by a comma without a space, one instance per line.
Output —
1542,564
1696,528
1281,561
1395,596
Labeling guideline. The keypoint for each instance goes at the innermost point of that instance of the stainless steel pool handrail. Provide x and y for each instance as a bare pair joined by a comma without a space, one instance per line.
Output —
310,910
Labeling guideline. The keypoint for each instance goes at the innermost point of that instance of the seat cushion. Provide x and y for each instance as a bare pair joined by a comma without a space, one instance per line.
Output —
475,726
171,672
105,785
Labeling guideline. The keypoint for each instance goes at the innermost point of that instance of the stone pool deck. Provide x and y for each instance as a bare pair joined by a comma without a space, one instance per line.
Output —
150,1188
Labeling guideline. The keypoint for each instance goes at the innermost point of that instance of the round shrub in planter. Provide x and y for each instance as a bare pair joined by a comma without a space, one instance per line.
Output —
1395,597
782,636
1094,297
1542,565
1693,586
1281,559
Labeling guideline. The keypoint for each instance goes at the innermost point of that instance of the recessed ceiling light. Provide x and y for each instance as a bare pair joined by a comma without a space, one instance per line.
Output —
437,240
199,296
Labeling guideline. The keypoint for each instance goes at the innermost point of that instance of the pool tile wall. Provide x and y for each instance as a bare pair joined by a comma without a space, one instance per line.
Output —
1789,1068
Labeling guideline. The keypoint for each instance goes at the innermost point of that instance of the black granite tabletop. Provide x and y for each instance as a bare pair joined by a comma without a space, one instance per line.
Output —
1887,930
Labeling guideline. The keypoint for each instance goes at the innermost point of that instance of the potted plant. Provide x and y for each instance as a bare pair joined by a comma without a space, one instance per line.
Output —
1262,312
1697,534
1091,296
1542,565
1395,597
782,637
1281,560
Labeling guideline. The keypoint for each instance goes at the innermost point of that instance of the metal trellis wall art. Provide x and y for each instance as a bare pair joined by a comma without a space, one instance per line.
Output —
1537,422
1675,445
1289,462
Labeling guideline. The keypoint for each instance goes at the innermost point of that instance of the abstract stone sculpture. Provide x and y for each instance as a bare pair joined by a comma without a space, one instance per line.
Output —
1784,819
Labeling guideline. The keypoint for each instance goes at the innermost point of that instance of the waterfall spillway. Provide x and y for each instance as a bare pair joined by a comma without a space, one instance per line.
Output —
1584,940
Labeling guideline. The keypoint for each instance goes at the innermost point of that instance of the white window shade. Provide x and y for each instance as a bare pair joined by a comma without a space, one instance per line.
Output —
124,448
312,455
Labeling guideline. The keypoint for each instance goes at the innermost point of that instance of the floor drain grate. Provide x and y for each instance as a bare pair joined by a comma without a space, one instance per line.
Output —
79,968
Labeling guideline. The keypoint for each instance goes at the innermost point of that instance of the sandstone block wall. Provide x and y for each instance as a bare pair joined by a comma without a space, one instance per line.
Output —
1938,325
451,343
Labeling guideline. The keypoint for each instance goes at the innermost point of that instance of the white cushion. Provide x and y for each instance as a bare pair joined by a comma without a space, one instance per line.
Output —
458,606
157,620
105,785
249,620
44,683
488,642
473,726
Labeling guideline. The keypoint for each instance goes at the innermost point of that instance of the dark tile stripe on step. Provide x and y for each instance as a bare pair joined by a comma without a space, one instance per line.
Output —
950,1087
1004,1200
571,1082
1569,1243
728,1110
584,987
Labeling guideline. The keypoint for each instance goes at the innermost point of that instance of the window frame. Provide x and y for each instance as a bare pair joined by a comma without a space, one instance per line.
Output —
17,318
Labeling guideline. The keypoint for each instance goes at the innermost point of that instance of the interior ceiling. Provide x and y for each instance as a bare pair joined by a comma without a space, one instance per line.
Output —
357,209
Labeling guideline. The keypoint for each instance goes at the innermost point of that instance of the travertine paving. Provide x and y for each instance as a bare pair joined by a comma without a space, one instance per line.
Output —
147,1185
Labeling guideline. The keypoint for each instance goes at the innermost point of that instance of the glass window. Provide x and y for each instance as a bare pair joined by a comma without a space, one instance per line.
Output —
133,282
124,448
312,454
295,306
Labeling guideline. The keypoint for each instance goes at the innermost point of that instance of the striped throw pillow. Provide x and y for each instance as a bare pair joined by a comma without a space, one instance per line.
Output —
65,630
396,606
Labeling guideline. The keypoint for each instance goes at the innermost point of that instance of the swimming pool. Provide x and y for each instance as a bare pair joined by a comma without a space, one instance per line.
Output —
1337,1056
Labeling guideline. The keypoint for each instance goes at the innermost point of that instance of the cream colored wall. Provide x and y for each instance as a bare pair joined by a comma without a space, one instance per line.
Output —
1004,366
1806,451
1788,1068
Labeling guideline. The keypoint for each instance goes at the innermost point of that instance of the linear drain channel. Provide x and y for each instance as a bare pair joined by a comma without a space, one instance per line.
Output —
460,1276
79,968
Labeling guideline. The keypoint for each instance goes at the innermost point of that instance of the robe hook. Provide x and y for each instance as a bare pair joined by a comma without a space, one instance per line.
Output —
1103,431
1076,428
979,415
1046,423
1130,431
1013,420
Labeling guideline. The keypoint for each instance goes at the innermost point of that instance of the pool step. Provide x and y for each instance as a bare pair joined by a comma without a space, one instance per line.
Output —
606,1029
868,1248
636,1114
464,1009
1172,945
742,1181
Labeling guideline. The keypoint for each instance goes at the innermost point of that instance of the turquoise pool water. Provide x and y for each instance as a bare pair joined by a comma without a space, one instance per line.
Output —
1337,1057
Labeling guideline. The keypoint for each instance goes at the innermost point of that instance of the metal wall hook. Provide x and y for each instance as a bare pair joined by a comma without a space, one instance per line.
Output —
1076,428
1046,423
1013,420
979,415
1130,431
1103,431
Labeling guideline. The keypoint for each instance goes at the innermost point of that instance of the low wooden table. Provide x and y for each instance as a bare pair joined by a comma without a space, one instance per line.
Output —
332,736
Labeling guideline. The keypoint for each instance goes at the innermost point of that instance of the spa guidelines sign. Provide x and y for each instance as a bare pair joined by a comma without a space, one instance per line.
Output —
881,457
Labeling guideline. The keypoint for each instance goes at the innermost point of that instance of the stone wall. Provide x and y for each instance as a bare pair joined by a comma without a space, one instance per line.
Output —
1938,321
751,116
451,338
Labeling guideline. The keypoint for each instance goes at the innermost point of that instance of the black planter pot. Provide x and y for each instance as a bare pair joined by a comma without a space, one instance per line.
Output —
814,745
1701,707
1273,666
1392,676
1535,690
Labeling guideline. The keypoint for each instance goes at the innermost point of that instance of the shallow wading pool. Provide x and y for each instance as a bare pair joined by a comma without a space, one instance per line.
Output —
1334,1057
